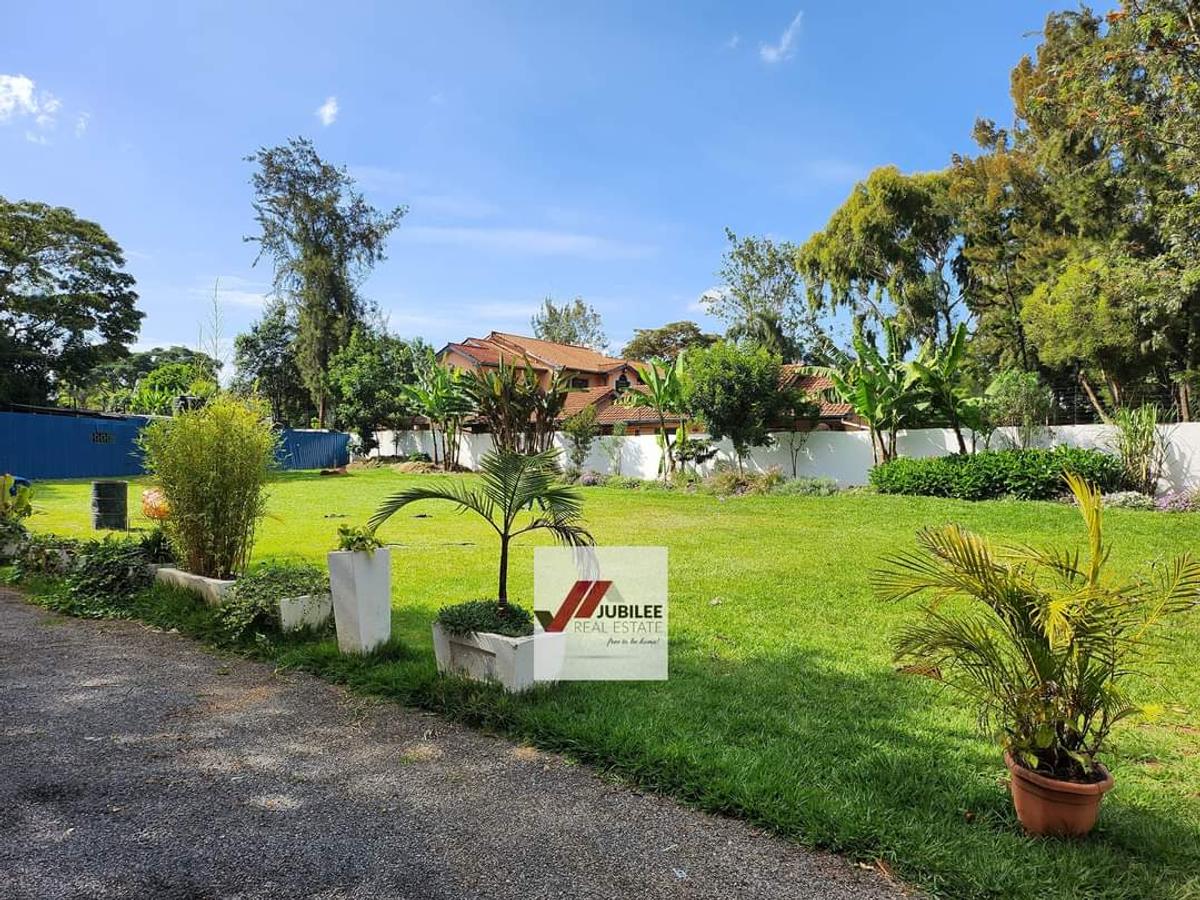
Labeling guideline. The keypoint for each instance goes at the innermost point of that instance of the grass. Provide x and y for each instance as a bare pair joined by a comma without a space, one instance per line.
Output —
782,706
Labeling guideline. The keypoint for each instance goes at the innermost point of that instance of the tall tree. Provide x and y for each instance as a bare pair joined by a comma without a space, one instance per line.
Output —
760,283
667,341
66,303
571,323
323,239
889,251
265,360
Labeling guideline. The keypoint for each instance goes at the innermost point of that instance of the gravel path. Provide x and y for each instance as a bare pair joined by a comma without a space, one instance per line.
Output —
135,763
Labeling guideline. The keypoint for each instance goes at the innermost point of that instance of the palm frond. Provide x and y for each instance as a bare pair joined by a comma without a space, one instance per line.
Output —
457,493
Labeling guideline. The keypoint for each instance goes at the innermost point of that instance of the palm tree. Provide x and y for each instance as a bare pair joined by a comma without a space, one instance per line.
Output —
510,484
1044,642
662,390
441,395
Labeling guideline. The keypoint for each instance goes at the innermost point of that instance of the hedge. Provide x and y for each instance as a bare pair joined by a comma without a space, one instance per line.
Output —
1023,474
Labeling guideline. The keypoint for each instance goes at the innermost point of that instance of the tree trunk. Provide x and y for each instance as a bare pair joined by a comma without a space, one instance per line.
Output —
502,598
1092,398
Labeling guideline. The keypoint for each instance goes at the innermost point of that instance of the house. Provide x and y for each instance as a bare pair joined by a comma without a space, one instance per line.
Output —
598,380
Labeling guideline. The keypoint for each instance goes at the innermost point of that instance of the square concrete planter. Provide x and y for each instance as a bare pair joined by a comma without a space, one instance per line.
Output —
361,584
483,656
211,589
311,611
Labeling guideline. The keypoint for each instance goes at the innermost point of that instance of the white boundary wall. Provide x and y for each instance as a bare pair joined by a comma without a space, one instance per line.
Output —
842,455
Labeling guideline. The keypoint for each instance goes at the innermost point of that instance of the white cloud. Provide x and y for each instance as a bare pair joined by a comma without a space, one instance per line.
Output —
20,99
774,53
327,112
832,171
529,241
734,41
81,124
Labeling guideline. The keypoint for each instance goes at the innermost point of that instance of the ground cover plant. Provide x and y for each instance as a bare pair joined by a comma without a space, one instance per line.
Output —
783,706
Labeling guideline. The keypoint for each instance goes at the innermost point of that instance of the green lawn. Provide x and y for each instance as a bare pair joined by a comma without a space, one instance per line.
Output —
782,706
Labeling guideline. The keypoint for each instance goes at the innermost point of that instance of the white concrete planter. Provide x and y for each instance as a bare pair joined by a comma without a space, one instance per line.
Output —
9,550
484,656
311,611
361,583
213,590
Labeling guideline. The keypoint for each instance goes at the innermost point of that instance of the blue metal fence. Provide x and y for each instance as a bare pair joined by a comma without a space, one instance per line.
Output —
55,445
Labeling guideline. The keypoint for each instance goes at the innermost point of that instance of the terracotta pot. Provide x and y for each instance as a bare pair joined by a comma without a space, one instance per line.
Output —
1051,806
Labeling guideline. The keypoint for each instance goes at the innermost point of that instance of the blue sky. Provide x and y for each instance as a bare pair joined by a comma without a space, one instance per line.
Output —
593,149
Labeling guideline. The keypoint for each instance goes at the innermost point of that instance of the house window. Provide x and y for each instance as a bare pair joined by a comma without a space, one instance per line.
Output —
579,384
622,384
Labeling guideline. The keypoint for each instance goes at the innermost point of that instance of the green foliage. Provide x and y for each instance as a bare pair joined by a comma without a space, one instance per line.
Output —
251,605
265,359
522,414
1048,642
104,576
663,390
667,342
511,485
1021,474
891,244
156,393
16,499
937,376
157,546
443,396
367,378
879,385
358,539
485,616
736,392
760,299
66,305
727,481
581,431
323,238
43,555
571,323
1017,400
212,464
1140,445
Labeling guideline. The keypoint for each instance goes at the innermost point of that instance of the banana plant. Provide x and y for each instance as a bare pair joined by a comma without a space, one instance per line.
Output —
879,385
662,390
937,371
441,395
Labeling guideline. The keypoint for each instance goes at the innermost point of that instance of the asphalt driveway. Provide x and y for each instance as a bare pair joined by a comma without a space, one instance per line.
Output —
135,763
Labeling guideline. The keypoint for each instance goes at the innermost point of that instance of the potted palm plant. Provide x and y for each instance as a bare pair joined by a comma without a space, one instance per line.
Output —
1042,648
360,579
516,494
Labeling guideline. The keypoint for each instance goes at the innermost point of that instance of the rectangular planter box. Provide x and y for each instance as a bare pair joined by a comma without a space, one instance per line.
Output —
310,611
211,589
361,583
508,661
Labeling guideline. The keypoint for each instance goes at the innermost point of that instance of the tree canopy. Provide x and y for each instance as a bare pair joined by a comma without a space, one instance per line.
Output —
570,323
667,341
66,303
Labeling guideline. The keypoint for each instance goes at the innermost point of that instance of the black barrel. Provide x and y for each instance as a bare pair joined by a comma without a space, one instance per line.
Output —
110,505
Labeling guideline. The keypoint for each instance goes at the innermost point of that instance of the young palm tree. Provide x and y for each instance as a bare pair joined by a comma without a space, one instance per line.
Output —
510,484
1047,641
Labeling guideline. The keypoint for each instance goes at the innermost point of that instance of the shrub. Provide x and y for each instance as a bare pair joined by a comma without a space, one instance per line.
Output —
156,546
1023,474
416,467
104,576
1129,500
45,554
591,479
727,481
252,604
486,615
808,487
581,430
15,499
212,464
1045,642
628,482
